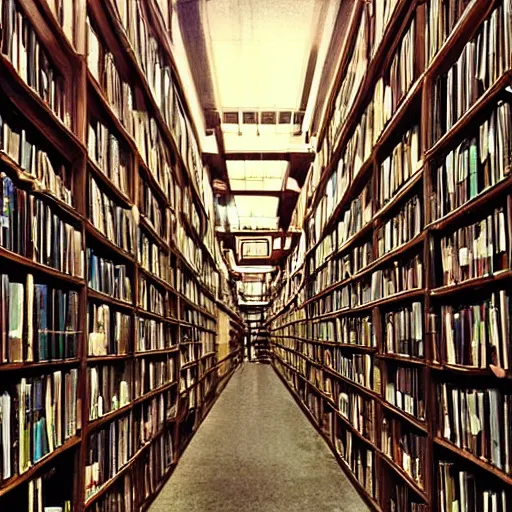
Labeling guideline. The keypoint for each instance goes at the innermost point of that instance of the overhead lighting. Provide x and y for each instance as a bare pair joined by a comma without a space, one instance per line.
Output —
267,175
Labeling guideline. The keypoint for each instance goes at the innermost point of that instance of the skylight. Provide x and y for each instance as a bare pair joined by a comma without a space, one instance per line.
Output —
256,212
248,175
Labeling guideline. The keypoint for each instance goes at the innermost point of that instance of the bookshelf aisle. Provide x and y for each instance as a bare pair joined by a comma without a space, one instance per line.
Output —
107,235
372,327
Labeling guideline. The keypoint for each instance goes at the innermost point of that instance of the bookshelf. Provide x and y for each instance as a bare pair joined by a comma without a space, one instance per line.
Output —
103,386
372,327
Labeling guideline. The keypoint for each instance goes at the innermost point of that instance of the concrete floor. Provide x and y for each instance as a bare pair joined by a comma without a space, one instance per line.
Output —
255,452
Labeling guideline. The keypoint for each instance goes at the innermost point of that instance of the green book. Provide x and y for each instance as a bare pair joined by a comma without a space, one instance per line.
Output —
473,169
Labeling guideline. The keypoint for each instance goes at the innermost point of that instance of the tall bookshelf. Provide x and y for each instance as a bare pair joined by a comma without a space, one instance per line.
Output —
105,383
373,329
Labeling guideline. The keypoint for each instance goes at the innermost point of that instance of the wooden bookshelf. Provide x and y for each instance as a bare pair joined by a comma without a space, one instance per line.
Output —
307,319
147,335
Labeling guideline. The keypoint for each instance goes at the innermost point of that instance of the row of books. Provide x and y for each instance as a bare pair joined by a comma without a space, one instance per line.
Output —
338,268
37,416
152,298
358,411
107,277
355,72
402,498
442,17
111,447
37,322
109,330
405,448
400,166
153,335
355,367
26,151
475,334
405,390
120,497
152,258
152,210
479,162
108,450
157,70
402,70
477,421
156,463
114,221
151,374
102,65
31,228
403,331
479,249
22,46
37,496
387,94
404,276
401,228
105,149
464,491
483,60
129,107
109,388
358,458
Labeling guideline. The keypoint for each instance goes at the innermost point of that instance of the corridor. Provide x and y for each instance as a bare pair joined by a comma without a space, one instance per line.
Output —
256,451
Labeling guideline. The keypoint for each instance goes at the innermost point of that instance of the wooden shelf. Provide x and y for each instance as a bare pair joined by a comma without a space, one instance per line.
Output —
112,248
473,459
31,365
405,477
120,197
107,299
419,424
17,480
471,284
32,266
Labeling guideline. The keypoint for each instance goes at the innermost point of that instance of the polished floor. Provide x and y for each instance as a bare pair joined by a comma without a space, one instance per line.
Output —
255,452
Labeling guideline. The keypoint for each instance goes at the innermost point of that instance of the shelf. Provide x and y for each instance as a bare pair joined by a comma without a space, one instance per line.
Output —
405,477
401,358
103,297
473,459
419,424
482,199
468,118
99,237
120,197
17,480
43,269
157,280
34,365
356,432
107,485
401,193
158,352
112,358
155,316
38,113
156,237
96,423
471,284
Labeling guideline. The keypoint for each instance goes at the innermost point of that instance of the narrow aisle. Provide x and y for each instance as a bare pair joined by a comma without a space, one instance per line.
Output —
256,451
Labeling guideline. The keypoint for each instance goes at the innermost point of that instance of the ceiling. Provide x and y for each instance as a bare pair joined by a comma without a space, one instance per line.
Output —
257,66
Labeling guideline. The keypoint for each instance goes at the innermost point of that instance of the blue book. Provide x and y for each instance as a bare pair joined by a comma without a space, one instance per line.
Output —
41,323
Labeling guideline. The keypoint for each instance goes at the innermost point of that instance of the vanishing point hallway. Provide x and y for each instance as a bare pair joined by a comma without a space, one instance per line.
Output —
256,451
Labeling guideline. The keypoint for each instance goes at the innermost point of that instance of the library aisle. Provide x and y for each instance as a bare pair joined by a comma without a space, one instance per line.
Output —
256,451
